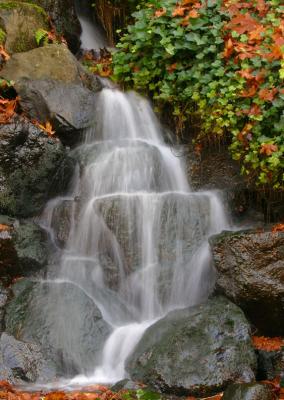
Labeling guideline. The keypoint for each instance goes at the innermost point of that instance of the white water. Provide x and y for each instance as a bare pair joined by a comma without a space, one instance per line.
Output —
91,37
137,242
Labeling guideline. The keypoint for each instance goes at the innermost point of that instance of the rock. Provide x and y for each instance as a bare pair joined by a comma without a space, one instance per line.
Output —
72,336
248,391
120,216
22,362
126,384
64,17
20,21
33,168
4,294
53,61
270,364
61,221
250,267
214,169
195,351
22,250
43,100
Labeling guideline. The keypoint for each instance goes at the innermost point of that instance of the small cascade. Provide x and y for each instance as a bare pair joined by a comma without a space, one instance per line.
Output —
137,235
91,37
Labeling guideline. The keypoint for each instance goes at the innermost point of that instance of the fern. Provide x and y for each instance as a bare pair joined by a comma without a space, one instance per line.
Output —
2,36
41,37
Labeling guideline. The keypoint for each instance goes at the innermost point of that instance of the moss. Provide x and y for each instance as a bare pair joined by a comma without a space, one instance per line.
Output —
9,5
23,42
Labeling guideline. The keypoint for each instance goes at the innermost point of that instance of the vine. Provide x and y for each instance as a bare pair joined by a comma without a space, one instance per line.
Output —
223,57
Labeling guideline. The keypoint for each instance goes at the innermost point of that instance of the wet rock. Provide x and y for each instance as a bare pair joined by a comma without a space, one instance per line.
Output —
43,100
4,295
22,250
33,168
53,61
250,267
20,21
64,16
270,364
125,384
22,362
251,391
195,351
72,336
61,221
122,227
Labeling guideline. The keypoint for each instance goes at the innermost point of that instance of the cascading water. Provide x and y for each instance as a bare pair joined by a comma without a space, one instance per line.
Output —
91,37
137,243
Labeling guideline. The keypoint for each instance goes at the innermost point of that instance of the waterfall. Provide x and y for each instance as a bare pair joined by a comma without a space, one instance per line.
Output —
138,235
91,37
131,235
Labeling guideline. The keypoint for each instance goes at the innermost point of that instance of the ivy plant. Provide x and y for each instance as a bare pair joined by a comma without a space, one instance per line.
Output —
223,58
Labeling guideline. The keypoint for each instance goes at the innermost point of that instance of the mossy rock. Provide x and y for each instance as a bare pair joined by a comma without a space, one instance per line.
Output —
19,21
64,16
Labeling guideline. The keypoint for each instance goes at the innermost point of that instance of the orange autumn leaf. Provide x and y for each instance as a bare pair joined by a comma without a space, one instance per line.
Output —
267,94
172,68
278,228
250,92
246,73
4,227
47,127
229,48
4,53
178,11
56,396
7,109
267,149
254,110
193,14
160,12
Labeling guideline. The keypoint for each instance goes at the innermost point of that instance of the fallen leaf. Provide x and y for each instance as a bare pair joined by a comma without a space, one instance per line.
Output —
267,343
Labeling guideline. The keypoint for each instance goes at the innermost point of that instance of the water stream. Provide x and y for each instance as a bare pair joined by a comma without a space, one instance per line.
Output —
137,240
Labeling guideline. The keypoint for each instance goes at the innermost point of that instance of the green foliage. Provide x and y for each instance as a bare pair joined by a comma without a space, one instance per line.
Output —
41,37
140,394
221,58
2,36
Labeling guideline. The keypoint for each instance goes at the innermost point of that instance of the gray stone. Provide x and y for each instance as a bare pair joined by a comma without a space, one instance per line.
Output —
72,336
23,250
251,391
22,362
69,107
53,61
250,267
33,168
195,351
270,364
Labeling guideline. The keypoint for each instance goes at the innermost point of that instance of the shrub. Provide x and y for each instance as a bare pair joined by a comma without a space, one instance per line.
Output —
223,57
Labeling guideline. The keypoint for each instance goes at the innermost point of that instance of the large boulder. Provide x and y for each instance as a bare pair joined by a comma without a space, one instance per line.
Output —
53,61
195,351
33,168
23,250
249,391
20,21
250,267
68,106
22,362
64,17
62,319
